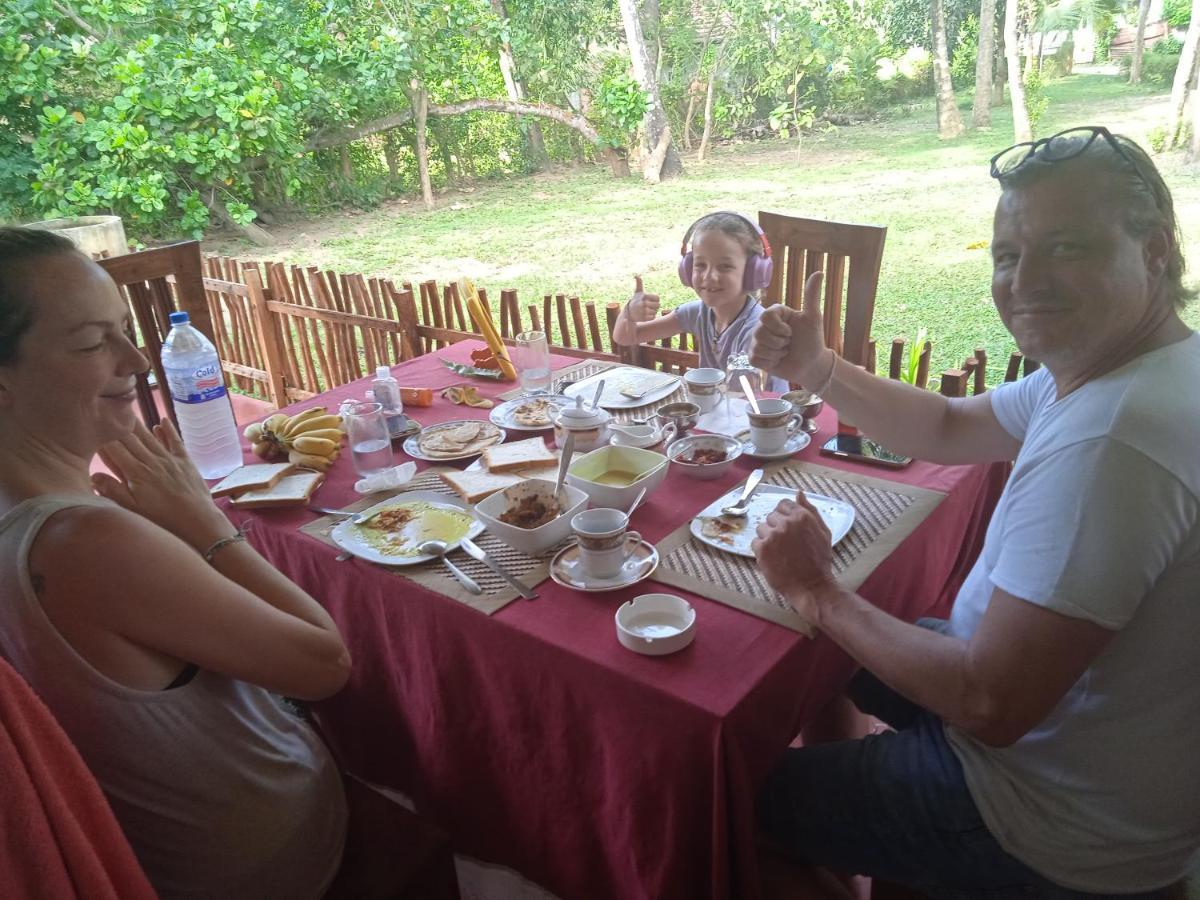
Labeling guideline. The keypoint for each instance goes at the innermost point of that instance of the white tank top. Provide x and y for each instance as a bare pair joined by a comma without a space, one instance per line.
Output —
220,792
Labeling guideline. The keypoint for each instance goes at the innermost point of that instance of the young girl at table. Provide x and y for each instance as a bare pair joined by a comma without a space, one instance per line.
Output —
727,263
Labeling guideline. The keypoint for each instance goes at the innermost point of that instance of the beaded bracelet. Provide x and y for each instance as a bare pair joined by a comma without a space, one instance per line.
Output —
235,538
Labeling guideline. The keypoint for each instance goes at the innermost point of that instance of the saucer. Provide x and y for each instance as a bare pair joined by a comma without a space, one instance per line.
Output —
795,444
565,569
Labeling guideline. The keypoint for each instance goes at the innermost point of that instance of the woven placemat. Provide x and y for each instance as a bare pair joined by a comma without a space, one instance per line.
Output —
529,570
886,512
589,367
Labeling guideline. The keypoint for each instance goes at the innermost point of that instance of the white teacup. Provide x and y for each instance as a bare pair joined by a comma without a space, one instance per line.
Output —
704,387
604,543
774,423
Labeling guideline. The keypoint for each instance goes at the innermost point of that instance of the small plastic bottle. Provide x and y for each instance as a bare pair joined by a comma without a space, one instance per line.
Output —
387,392
202,405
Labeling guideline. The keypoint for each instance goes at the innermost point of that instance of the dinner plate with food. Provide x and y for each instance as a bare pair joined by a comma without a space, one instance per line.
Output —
535,413
395,528
625,387
453,440
734,534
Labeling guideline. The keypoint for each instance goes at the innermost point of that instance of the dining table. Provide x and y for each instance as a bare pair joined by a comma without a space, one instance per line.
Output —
538,741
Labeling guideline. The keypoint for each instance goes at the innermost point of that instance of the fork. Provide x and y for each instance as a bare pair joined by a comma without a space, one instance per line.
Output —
743,505
355,517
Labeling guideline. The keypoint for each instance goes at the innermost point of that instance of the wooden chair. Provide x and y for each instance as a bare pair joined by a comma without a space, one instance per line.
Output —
156,283
849,255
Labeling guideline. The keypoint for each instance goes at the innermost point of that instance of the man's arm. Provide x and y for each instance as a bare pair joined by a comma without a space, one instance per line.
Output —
996,686
790,344
1019,663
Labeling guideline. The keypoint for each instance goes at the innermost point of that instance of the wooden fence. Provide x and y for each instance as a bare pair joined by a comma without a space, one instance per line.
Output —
286,333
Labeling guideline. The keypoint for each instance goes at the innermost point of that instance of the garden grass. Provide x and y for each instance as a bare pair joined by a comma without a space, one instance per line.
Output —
579,231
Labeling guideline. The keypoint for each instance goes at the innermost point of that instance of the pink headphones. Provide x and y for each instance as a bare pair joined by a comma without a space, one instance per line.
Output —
758,266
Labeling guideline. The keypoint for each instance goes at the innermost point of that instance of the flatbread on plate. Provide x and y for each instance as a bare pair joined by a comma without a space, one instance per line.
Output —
458,438
534,413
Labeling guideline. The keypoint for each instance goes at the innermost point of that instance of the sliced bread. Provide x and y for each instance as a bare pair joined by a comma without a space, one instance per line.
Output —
290,490
255,477
476,486
517,454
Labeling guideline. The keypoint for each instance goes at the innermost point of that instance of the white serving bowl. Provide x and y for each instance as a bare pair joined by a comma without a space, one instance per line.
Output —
680,451
533,541
656,624
649,467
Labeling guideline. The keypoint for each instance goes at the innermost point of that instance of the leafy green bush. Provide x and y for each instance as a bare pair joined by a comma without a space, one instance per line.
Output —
1157,68
1036,100
618,107
1178,13
1170,45
962,66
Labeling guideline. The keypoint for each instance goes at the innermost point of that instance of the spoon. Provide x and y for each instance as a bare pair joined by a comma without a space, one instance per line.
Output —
599,391
438,549
567,451
743,505
749,392
636,503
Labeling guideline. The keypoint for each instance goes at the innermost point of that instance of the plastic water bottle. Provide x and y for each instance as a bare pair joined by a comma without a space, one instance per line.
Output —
202,405
387,391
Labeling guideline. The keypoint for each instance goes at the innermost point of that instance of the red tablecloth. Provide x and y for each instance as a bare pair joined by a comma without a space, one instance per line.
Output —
540,743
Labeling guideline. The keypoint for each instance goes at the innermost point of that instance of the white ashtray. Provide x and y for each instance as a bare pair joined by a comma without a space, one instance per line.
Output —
656,624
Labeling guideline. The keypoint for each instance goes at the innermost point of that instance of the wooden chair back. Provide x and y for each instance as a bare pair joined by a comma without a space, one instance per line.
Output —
849,255
156,283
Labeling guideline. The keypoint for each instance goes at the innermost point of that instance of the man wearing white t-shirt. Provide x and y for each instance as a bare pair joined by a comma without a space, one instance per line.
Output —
1049,733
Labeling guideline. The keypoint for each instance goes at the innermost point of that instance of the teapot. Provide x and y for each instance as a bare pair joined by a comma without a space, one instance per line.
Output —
589,424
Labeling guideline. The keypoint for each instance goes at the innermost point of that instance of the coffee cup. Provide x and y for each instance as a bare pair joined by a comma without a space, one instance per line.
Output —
774,423
704,386
605,544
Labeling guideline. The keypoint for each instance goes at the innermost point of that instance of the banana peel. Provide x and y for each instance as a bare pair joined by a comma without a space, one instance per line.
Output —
483,321
466,394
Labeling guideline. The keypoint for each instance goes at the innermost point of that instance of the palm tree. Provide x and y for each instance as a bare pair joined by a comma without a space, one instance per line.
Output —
981,109
1139,43
950,124
1022,129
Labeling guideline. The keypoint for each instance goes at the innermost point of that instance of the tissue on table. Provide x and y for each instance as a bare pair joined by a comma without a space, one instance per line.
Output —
396,476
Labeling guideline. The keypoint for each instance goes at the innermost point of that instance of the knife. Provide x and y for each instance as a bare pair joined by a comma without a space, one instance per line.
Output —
480,554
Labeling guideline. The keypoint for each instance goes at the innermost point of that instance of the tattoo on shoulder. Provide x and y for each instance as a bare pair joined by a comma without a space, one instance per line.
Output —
39,583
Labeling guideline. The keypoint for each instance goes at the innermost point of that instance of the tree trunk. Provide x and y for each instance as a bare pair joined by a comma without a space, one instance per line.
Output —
250,231
420,104
534,143
1185,75
1139,43
950,124
981,108
1041,48
655,120
389,155
693,99
1193,154
708,108
654,162
1022,130
347,166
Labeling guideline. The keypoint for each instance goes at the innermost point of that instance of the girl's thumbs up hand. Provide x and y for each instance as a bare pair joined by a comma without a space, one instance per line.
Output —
642,307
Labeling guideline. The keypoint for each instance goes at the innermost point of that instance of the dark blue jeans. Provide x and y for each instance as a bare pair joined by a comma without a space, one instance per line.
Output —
895,806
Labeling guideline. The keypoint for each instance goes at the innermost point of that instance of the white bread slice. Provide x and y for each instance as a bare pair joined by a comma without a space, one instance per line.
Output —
517,454
291,490
476,486
254,477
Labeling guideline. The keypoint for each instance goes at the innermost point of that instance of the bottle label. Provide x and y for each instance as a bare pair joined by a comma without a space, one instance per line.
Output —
196,385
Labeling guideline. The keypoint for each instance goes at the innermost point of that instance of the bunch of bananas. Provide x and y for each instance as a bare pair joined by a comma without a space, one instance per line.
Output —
312,438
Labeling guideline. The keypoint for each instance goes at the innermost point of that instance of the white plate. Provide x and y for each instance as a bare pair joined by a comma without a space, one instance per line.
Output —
566,570
837,515
624,376
413,449
348,535
794,444
502,415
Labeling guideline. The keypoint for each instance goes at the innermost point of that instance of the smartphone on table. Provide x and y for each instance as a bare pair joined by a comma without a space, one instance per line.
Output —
859,448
